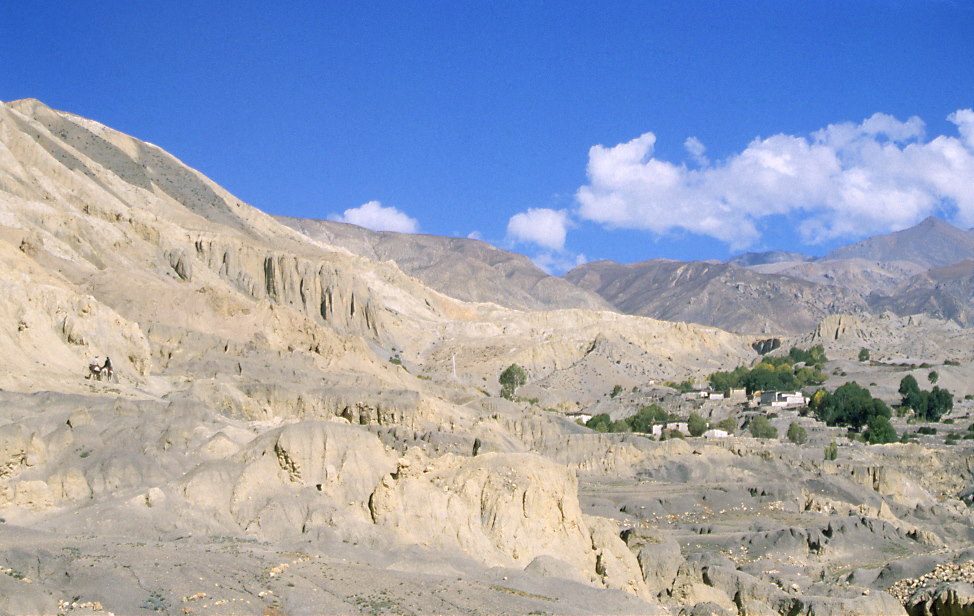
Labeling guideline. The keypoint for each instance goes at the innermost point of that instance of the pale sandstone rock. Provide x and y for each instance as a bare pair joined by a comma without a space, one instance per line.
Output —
502,510
33,494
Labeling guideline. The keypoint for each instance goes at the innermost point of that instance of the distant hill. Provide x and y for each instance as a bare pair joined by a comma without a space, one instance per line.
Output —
932,243
463,268
943,292
717,294
859,275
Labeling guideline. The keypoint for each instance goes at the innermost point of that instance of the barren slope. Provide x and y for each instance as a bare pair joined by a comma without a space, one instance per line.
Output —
716,294
931,243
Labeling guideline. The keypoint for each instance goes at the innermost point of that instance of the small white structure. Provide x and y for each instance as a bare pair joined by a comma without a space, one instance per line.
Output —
673,425
715,396
578,415
715,433
737,394
783,399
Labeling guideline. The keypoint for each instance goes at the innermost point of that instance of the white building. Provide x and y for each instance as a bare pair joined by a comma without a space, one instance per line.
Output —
783,399
673,425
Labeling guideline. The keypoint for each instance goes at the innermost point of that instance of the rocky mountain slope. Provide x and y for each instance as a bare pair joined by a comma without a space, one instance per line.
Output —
295,429
466,269
717,294
931,243
917,270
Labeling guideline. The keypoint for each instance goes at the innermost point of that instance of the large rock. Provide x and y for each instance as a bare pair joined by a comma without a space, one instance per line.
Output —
946,599
294,479
505,510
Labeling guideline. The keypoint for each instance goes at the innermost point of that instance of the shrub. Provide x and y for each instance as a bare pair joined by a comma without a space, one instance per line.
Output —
729,425
513,377
696,425
619,426
600,423
682,387
927,430
797,434
616,391
761,428
880,430
933,376
831,451
864,354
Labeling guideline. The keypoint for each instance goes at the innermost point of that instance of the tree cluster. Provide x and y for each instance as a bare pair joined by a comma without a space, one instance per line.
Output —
927,405
642,421
850,405
800,368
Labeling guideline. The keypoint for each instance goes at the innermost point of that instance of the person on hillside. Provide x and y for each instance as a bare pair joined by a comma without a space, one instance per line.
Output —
94,368
108,365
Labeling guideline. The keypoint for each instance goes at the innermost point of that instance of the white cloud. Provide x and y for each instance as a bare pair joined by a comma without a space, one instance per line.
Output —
373,215
557,263
696,149
475,235
542,226
844,180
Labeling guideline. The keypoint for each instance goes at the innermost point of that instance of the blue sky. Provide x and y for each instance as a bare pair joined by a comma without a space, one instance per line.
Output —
452,118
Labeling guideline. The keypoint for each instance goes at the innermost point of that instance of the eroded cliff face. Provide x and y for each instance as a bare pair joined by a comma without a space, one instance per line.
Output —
323,291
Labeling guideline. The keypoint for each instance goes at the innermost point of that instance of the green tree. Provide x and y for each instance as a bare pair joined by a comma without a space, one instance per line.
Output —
880,430
729,425
620,425
600,423
513,377
831,451
807,375
863,354
933,376
927,405
814,356
850,405
939,403
909,390
696,425
761,428
797,434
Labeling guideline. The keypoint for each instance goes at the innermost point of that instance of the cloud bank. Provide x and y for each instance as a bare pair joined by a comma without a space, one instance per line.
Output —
844,180
373,215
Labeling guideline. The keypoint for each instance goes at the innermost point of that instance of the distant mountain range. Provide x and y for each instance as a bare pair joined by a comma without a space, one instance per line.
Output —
928,269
